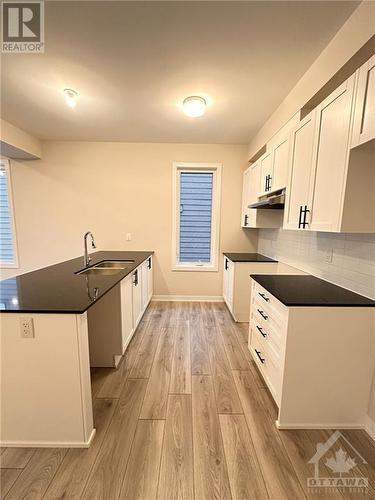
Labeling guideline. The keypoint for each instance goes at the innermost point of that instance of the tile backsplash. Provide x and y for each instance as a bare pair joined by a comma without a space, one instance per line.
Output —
347,260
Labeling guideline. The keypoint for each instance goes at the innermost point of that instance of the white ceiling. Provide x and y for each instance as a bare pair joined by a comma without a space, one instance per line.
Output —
132,63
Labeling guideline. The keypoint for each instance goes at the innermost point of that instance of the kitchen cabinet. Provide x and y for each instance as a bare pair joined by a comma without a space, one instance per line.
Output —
256,218
301,176
147,282
330,158
126,311
280,164
364,115
266,172
137,296
237,283
330,184
228,283
150,278
307,355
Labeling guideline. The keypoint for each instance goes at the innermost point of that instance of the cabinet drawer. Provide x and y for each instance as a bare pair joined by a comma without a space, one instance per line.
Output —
269,304
268,363
270,335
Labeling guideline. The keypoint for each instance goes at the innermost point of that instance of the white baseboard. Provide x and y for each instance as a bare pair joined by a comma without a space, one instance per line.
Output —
334,426
187,298
370,427
48,444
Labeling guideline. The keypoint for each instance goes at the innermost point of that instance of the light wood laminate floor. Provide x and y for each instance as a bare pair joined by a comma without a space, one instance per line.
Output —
186,415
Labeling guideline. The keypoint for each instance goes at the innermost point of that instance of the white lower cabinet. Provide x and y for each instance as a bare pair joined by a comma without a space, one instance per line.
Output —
137,296
316,361
127,311
237,283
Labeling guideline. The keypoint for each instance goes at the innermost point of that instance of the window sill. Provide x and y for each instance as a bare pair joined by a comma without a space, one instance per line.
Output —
197,268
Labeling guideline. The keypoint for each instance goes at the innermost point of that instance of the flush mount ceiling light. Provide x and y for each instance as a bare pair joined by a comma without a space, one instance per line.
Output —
194,106
71,97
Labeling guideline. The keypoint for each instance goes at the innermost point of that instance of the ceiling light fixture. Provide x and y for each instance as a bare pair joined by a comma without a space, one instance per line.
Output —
194,106
71,97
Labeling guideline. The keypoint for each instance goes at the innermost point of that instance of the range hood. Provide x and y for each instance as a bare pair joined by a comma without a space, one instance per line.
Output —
273,201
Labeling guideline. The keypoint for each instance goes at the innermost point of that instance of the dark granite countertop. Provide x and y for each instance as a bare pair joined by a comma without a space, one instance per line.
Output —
309,291
57,289
247,257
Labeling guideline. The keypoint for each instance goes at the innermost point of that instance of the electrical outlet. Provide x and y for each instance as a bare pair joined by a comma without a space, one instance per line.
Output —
329,255
27,328
128,236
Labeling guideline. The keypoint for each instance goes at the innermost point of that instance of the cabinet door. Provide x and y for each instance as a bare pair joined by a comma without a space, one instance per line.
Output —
301,174
254,183
144,285
228,282
331,150
245,198
364,114
266,172
137,296
280,164
126,311
150,278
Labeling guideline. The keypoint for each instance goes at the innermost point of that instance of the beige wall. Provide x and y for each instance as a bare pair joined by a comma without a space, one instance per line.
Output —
19,139
357,30
113,189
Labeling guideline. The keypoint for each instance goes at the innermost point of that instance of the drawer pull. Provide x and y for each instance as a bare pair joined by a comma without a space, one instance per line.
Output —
264,316
261,331
262,360
264,297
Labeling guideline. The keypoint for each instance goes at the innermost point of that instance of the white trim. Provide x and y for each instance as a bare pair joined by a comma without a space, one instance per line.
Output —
216,169
6,265
187,298
370,426
337,425
49,444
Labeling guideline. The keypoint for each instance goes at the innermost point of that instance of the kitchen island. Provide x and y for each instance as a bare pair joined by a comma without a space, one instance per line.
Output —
55,323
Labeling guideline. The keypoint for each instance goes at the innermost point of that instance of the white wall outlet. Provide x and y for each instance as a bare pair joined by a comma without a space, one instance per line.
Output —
329,255
27,328
128,236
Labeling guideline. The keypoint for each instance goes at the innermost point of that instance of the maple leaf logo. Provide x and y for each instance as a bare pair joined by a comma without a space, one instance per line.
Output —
342,463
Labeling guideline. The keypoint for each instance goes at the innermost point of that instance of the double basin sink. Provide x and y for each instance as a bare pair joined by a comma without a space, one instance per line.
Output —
107,267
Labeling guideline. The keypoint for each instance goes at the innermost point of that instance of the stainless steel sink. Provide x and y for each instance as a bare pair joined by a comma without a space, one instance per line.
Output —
117,264
107,267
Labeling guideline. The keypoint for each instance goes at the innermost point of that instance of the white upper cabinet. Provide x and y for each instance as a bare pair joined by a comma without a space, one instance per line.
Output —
256,218
245,198
364,116
280,164
330,159
301,176
266,172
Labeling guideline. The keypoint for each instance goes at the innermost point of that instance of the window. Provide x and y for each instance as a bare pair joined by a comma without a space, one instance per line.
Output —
196,216
8,247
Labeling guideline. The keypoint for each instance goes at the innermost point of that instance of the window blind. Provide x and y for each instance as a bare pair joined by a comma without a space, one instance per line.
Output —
7,250
195,216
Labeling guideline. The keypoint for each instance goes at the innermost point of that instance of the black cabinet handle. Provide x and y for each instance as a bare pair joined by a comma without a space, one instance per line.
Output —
264,297
149,263
304,222
135,278
300,217
246,219
269,182
226,264
261,331
264,316
262,360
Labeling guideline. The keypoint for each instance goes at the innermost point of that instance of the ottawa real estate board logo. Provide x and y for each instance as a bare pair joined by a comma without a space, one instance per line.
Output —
22,27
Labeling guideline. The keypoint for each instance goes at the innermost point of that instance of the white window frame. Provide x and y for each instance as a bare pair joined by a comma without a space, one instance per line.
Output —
215,169
14,265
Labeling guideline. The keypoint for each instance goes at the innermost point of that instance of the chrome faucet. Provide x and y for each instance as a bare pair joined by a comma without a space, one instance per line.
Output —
87,257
